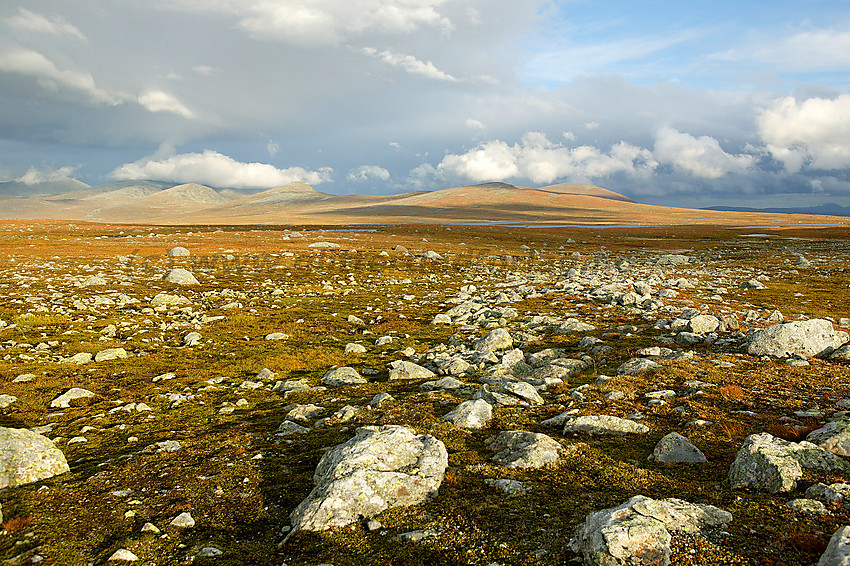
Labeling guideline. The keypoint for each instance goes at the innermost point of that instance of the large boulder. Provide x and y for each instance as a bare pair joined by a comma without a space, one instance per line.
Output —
837,552
834,436
521,449
767,463
639,531
27,457
380,468
806,338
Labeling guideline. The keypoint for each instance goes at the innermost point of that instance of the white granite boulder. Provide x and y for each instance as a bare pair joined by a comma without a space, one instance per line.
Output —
64,401
497,339
639,532
402,369
380,468
471,414
27,457
837,552
522,449
833,436
343,376
674,448
772,464
179,251
804,338
181,276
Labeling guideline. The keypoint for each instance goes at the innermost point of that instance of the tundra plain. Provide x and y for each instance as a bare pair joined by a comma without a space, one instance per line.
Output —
184,423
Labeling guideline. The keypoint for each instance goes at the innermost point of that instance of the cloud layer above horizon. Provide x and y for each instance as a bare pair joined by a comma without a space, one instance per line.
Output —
689,105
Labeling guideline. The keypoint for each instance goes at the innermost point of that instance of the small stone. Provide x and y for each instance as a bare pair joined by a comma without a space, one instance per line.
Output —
183,521
374,525
807,506
150,528
209,552
402,369
604,425
352,348
192,339
64,401
674,448
521,449
111,354
471,414
342,376
123,554
178,252
181,276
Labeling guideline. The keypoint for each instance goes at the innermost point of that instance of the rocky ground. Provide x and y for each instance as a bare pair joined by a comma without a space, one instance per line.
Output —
423,395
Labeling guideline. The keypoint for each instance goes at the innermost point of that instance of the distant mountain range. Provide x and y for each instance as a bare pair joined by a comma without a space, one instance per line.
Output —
829,209
157,202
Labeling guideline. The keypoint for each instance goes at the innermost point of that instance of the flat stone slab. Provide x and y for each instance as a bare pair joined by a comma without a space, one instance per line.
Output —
603,425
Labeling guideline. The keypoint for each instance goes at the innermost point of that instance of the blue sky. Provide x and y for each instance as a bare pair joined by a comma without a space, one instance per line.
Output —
690,103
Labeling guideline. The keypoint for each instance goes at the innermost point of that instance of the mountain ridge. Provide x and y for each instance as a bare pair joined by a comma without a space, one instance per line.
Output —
159,202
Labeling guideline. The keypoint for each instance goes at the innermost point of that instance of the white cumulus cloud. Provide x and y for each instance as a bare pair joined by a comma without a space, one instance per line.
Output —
33,22
367,172
813,132
218,170
542,161
34,176
699,156
410,64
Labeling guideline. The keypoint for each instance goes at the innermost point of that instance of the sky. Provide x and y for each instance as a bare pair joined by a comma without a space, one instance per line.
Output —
676,103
